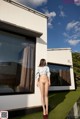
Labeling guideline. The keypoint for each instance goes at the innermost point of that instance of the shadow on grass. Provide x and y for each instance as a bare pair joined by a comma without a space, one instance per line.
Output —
55,98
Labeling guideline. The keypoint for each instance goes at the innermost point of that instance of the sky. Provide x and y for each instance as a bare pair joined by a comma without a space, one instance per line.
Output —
63,21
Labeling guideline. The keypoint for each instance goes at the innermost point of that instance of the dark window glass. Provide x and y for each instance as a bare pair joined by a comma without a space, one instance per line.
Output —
17,56
60,75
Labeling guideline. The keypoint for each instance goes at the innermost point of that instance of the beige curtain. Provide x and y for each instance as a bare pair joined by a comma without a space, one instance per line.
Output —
26,81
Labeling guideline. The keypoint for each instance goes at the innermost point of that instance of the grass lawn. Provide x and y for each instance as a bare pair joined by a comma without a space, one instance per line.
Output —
60,104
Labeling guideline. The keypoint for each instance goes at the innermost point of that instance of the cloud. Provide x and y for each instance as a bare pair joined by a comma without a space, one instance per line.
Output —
71,36
62,14
72,39
50,16
77,2
66,35
73,42
73,25
72,33
32,3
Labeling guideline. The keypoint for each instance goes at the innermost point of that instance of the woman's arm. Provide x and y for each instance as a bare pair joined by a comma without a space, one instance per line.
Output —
37,77
48,75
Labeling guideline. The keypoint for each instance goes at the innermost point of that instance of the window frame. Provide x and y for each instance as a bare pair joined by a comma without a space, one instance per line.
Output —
32,39
64,65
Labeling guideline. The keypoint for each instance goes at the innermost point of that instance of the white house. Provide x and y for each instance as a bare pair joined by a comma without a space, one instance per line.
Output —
23,42
61,66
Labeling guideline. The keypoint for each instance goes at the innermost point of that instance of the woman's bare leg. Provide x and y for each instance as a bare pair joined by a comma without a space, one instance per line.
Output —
42,90
46,96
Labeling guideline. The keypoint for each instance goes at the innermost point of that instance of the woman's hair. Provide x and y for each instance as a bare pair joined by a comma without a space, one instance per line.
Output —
42,63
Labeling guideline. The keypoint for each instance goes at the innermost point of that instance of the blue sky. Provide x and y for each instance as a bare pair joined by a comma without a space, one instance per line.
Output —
63,21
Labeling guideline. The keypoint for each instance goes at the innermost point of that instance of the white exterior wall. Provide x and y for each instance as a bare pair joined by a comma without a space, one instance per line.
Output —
33,21
62,56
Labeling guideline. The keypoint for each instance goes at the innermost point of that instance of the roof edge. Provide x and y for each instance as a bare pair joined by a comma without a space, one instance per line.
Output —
51,49
26,8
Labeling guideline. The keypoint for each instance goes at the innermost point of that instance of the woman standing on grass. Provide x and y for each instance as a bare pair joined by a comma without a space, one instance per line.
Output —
43,82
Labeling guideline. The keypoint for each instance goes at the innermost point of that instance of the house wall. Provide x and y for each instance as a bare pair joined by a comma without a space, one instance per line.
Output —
32,20
62,56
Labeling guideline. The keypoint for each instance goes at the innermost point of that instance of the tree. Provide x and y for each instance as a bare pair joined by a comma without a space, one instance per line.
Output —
76,64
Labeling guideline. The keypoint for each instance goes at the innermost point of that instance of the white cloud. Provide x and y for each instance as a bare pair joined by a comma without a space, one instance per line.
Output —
50,16
62,14
72,36
73,25
72,39
72,33
77,2
73,42
33,3
66,35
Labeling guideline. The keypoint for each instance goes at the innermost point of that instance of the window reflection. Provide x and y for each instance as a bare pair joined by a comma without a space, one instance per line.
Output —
60,75
74,113
16,63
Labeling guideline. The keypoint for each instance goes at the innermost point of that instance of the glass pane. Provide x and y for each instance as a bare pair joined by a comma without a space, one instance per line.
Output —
60,75
16,63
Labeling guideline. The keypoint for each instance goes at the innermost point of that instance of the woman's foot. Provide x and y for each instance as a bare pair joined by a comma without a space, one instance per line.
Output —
46,112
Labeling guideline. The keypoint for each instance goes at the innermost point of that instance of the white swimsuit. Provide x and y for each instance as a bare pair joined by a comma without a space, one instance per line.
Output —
43,71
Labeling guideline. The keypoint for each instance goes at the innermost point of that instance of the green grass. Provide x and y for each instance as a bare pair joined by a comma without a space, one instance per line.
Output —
60,104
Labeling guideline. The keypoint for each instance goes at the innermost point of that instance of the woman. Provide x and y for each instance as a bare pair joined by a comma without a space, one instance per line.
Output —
43,82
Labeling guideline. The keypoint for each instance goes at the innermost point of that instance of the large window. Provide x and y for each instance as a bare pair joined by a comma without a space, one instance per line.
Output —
17,57
60,75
